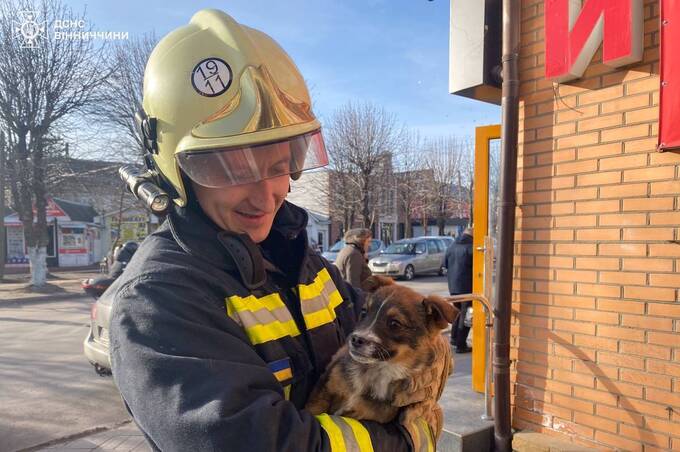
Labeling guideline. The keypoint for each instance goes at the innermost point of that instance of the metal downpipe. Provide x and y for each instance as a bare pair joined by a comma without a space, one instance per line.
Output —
508,183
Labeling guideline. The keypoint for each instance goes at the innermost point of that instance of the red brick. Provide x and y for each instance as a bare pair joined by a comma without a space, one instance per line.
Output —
623,278
646,379
622,249
640,349
671,310
648,264
630,334
648,234
647,322
624,219
617,359
621,306
599,178
647,204
598,234
618,441
628,161
649,293
598,263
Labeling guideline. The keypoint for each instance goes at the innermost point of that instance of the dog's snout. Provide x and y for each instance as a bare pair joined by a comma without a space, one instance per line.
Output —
356,340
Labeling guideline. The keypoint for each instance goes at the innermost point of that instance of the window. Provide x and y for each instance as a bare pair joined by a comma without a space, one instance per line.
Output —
420,248
432,247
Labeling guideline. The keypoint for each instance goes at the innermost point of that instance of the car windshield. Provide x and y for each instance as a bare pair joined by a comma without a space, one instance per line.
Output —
338,246
400,248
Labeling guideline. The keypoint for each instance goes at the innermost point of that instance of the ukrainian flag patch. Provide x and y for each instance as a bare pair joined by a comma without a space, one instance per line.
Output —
281,370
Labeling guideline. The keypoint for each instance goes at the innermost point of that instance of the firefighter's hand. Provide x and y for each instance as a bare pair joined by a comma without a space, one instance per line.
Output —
428,383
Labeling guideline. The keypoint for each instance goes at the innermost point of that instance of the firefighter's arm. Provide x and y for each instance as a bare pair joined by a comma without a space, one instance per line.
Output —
192,381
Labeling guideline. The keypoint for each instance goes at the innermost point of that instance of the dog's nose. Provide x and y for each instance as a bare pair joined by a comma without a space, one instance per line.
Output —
356,340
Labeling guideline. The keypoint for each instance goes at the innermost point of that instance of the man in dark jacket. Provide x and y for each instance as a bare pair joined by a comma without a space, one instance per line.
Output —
458,261
224,320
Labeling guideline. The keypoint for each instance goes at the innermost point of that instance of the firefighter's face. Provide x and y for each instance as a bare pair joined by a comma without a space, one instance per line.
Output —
248,208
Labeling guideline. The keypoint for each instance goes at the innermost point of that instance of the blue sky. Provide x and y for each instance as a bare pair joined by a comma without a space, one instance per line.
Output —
391,52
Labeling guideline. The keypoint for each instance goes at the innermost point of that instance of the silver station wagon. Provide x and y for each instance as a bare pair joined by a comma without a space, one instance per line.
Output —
410,257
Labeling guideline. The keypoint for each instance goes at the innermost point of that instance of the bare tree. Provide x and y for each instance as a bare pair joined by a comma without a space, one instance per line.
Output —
41,84
444,158
412,180
361,140
123,95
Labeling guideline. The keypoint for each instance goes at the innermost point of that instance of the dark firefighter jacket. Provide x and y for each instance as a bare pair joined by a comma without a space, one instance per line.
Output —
217,342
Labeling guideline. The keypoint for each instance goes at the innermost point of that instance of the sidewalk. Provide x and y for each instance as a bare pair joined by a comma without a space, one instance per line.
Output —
60,285
462,409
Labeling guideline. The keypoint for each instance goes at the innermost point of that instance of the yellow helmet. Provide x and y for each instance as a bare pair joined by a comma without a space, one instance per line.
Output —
226,105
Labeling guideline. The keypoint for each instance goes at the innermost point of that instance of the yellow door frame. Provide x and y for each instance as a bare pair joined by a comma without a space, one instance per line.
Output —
480,227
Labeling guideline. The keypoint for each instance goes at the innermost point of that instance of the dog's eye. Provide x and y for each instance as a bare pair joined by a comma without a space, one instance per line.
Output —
395,324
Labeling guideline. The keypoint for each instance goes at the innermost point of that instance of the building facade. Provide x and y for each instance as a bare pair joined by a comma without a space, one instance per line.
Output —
596,308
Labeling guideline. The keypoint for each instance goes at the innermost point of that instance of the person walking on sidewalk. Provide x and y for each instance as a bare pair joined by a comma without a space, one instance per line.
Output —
458,262
351,260
225,318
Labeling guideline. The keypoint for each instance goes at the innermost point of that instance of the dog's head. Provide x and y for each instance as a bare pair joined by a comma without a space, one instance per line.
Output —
398,324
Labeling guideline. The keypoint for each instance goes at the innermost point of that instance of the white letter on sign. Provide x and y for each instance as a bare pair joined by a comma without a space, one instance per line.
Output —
573,34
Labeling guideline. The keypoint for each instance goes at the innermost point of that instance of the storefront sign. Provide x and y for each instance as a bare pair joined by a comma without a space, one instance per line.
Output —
669,102
573,35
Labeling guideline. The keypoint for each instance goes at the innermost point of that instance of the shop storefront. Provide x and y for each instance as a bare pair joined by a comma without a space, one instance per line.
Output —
73,236
595,343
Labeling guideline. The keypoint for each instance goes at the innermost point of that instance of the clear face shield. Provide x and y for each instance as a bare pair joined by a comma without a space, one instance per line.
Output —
218,168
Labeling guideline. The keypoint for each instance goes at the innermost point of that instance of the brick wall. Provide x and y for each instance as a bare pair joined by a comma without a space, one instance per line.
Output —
596,313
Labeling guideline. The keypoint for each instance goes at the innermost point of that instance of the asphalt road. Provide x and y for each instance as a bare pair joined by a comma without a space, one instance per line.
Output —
48,390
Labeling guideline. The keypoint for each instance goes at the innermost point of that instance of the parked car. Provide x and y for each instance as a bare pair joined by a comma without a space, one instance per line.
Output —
448,240
410,257
376,247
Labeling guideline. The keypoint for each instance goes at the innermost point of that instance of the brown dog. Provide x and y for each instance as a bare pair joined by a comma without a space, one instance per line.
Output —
393,341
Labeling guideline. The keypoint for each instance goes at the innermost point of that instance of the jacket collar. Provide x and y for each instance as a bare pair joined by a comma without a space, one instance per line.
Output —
199,236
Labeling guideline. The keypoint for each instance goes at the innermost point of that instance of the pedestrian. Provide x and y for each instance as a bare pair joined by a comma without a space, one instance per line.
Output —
351,260
225,318
458,262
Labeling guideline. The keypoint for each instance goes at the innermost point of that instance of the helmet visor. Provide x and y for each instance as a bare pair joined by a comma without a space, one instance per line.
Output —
217,168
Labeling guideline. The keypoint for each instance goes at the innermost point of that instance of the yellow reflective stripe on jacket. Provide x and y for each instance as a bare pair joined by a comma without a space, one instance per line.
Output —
319,300
345,434
424,441
263,319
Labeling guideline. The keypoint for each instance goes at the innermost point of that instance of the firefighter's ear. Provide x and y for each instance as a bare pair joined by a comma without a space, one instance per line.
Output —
373,283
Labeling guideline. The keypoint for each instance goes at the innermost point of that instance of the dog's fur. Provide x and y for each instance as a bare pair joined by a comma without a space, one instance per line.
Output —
392,342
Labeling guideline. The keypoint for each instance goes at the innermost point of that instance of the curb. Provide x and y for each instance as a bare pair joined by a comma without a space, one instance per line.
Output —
46,298
83,434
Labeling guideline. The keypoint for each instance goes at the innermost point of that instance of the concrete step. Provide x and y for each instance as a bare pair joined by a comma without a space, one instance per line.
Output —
464,429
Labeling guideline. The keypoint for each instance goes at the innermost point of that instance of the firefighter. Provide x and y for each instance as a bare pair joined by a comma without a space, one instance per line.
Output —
225,318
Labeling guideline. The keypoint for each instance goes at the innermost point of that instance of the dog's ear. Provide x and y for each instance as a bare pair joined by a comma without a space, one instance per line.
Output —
373,283
439,311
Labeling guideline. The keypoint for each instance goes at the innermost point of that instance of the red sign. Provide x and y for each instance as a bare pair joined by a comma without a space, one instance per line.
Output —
72,250
573,35
669,101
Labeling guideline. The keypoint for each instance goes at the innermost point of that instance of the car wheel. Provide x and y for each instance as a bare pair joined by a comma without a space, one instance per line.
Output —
443,271
409,273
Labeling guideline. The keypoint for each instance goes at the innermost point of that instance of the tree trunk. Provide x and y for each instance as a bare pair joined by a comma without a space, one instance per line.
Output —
3,235
37,257
39,264
409,227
